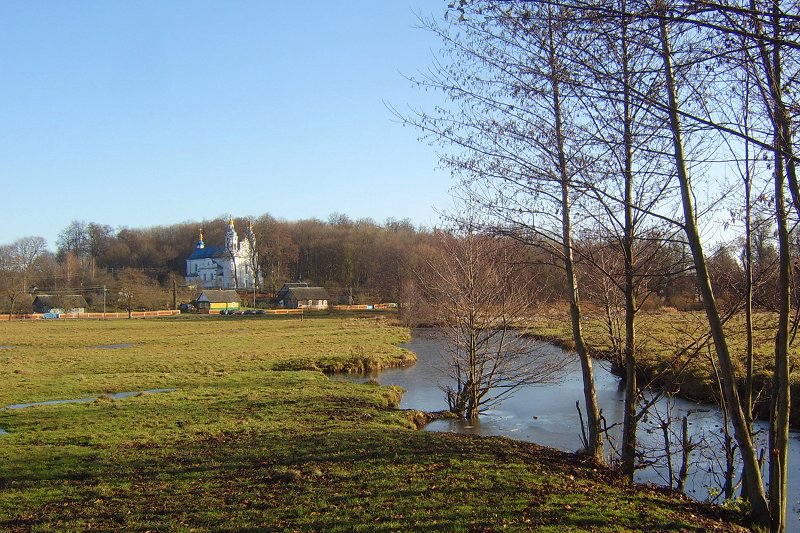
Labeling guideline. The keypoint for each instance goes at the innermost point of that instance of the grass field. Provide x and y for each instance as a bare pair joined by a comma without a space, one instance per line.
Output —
667,342
255,438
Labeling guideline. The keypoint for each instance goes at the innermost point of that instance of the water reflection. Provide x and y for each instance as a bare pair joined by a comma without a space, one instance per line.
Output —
546,415
112,396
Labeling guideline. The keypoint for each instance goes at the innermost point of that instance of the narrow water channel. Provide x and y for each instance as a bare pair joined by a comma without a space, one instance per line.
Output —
546,415
111,396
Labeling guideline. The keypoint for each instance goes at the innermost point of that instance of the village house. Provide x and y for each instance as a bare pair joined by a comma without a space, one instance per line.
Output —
216,300
60,304
286,286
301,296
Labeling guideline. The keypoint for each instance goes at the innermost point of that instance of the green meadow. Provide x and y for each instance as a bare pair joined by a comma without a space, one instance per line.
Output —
256,438
673,348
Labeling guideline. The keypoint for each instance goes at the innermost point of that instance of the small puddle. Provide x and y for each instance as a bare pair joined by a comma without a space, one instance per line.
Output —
6,347
113,346
123,395
114,396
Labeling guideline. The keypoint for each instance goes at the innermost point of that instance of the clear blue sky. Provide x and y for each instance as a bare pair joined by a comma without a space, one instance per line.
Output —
144,113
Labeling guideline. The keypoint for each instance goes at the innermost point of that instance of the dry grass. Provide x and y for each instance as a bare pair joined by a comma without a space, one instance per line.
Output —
674,349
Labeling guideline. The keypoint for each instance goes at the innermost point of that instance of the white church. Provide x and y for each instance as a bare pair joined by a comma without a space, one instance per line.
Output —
233,266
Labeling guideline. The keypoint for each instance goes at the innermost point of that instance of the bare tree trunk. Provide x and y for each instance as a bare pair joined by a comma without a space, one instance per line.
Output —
631,388
747,178
730,463
748,285
667,450
472,385
686,448
779,404
755,488
780,115
595,449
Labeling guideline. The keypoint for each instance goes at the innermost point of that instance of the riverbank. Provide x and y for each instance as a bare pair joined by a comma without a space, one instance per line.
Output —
675,353
242,445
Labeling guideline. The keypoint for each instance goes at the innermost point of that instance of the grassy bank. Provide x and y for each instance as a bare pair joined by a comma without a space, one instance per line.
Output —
669,352
244,443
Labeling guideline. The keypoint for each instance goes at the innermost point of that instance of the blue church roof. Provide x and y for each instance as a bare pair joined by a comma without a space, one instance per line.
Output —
208,252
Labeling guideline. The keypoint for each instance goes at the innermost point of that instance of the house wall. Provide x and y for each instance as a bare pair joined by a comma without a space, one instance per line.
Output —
218,273
313,304
224,305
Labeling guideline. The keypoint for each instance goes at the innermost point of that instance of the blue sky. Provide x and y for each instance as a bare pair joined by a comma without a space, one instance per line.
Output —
144,113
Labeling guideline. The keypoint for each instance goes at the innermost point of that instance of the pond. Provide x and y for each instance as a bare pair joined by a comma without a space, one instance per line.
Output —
546,415
109,396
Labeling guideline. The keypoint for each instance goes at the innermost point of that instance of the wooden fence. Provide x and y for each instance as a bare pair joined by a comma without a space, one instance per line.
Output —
170,312
375,307
70,316
266,311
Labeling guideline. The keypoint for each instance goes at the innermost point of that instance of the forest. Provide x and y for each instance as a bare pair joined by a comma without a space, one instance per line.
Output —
359,258
356,260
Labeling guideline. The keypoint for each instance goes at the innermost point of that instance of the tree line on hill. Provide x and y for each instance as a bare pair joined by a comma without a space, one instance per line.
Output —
358,261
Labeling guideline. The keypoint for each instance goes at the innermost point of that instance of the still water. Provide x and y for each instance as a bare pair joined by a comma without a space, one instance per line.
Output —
546,415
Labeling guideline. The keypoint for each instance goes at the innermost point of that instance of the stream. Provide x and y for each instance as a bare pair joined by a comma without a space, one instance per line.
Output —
546,415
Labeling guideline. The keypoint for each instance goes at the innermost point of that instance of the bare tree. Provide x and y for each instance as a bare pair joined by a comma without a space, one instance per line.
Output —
629,192
26,252
516,130
17,263
11,288
253,259
482,298
510,135
755,488
98,237
136,289
73,239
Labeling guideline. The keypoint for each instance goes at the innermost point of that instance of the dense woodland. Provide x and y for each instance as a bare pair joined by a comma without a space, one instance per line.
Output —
359,258
362,259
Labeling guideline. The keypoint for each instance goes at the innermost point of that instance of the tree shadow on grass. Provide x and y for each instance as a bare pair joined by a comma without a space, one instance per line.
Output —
359,478
295,452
